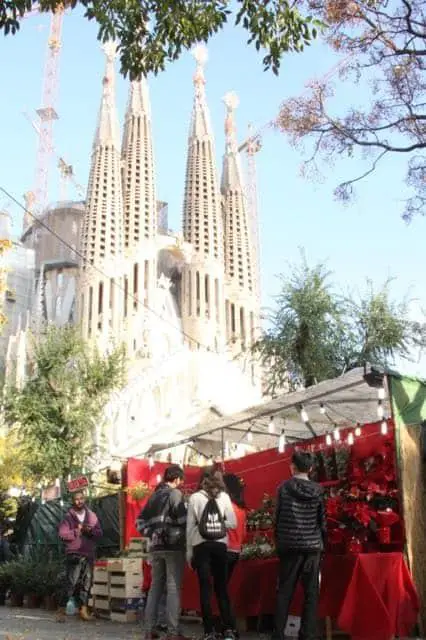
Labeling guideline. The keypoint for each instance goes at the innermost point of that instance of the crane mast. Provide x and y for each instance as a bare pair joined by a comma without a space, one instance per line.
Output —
47,114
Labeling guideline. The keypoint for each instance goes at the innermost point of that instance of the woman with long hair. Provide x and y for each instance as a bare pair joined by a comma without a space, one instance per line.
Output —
236,537
210,516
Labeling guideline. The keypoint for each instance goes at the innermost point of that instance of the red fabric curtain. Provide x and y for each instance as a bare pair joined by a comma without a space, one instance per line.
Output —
261,472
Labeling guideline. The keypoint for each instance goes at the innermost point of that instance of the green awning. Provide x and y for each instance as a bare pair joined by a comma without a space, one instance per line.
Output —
408,399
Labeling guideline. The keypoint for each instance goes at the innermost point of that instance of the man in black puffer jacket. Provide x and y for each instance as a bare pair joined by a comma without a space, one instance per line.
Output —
300,529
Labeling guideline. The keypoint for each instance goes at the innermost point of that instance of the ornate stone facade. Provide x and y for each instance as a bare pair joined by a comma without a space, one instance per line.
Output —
184,304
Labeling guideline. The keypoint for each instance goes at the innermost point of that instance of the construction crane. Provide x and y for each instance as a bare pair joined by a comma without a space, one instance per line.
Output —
47,114
66,170
251,146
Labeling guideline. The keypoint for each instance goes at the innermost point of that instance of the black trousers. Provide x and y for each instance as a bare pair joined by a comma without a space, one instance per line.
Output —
233,558
296,565
78,580
211,561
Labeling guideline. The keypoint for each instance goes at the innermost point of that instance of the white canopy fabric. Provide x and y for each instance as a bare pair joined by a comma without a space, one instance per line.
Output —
346,401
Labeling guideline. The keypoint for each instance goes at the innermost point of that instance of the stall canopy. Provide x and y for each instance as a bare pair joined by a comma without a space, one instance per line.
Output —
348,400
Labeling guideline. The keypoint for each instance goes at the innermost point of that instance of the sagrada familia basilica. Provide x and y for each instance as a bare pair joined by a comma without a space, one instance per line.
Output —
186,305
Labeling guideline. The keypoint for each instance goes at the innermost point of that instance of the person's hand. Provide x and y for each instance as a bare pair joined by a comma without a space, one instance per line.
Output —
79,528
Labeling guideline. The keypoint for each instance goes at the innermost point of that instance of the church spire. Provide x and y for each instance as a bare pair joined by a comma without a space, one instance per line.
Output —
201,210
102,233
139,189
100,302
108,131
202,278
241,307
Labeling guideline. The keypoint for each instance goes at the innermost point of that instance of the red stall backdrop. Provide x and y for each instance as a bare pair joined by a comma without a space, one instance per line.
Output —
368,466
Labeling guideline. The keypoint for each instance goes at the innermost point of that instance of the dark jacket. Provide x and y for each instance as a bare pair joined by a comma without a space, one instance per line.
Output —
300,523
81,543
163,519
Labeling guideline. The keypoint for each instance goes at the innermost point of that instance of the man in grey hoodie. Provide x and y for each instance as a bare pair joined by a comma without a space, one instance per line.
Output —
300,530
163,521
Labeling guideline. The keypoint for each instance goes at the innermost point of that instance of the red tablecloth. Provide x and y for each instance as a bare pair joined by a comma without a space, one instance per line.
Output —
368,595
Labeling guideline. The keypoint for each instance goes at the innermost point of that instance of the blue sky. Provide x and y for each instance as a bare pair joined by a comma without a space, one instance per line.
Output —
367,239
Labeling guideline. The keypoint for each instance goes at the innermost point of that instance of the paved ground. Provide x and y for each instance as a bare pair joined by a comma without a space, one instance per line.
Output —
36,624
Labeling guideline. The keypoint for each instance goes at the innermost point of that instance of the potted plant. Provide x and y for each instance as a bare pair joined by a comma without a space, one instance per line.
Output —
18,586
138,491
5,581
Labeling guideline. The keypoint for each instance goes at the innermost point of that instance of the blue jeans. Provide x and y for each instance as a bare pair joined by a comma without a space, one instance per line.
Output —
167,574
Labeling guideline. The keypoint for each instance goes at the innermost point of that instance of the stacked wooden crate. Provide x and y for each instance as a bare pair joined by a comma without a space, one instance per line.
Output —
125,589
117,589
138,547
100,589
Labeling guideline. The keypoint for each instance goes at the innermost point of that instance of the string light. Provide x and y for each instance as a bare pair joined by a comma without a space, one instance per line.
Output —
384,428
328,439
350,439
322,409
304,416
281,443
57,482
380,410
336,434
249,436
158,478
381,393
358,431
271,425
150,461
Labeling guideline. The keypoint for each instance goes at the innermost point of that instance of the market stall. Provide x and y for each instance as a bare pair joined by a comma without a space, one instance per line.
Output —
367,588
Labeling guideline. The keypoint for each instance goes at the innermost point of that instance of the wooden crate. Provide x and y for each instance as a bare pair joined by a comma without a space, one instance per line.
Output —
124,565
101,589
124,616
100,606
126,588
101,575
128,583
126,609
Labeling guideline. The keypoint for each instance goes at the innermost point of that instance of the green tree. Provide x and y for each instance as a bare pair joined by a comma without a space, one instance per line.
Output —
316,333
152,32
383,48
56,413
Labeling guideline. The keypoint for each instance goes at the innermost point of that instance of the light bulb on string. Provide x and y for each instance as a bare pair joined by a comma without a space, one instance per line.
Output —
328,440
150,461
350,439
271,425
158,478
304,416
322,409
384,428
336,434
358,431
281,443
381,393
380,410
249,436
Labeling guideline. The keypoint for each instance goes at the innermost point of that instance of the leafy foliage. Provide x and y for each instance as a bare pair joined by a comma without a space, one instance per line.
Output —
152,32
57,411
384,50
317,334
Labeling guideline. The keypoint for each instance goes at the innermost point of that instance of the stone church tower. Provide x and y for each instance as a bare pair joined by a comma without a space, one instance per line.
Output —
100,297
241,306
203,277
140,215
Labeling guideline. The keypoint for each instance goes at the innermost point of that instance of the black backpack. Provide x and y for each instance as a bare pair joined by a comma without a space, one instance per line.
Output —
212,523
